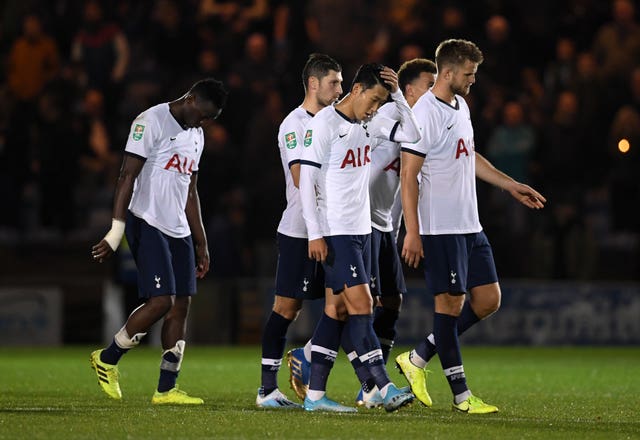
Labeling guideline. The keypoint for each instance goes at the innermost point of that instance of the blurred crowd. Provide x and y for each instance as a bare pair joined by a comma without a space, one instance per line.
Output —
559,88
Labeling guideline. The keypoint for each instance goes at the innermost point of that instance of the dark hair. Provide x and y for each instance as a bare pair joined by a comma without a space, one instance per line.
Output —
211,90
411,70
318,65
455,52
368,75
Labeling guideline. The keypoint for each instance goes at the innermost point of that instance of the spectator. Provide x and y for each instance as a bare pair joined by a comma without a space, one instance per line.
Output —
500,50
33,60
101,49
617,43
561,71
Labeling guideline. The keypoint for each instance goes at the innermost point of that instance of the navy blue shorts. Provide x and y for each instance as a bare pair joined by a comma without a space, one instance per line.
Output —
297,276
166,265
455,263
348,261
387,278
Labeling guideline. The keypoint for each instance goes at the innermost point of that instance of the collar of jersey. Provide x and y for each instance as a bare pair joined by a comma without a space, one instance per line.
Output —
353,121
455,107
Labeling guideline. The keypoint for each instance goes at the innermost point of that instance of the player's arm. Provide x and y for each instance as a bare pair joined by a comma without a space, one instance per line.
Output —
294,167
317,246
291,134
131,166
521,192
406,129
194,217
310,164
411,164
396,215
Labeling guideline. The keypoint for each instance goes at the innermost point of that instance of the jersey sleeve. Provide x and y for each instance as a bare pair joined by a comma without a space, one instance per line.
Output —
142,135
428,131
316,145
291,137
201,141
401,127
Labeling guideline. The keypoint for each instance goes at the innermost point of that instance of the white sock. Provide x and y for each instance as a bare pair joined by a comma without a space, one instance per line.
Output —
315,394
416,360
461,397
307,351
384,389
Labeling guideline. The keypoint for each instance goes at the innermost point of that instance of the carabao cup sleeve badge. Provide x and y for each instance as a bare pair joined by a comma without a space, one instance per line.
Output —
138,131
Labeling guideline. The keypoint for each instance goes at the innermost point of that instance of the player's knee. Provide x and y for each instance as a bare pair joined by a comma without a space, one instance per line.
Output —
449,304
392,302
492,306
287,308
336,311
486,304
160,305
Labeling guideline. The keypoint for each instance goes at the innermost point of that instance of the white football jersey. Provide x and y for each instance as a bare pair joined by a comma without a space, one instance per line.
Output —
384,182
172,154
447,203
335,196
291,144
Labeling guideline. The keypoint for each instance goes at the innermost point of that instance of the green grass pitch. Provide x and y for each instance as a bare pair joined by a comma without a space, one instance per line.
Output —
542,393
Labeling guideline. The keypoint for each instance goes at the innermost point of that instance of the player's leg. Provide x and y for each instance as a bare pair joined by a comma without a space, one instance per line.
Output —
354,265
294,275
387,284
360,329
274,338
483,301
151,253
450,358
369,394
324,349
174,326
105,361
444,269
299,359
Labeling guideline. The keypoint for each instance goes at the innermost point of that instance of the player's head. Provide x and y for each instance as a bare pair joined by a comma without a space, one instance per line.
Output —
416,77
204,101
322,76
368,91
458,62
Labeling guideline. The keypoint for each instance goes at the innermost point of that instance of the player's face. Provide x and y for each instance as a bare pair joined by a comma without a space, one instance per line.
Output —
329,88
463,77
422,84
367,102
198,111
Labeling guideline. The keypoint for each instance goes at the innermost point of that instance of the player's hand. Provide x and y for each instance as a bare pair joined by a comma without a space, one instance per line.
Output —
412,250
202,261
101,251
318,250
390,77
527,195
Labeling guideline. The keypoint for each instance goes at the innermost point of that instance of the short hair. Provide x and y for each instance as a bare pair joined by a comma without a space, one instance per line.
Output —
318,65
368,75
411,70
455,52
211,90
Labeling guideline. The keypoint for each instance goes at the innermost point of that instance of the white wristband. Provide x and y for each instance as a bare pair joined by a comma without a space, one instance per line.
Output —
114,236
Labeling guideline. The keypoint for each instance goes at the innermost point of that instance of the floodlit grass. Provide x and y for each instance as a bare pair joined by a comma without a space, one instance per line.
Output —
542,393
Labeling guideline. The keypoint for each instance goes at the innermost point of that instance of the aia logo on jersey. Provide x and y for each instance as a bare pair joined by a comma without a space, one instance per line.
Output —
182,165
461,148
357,158
394,166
